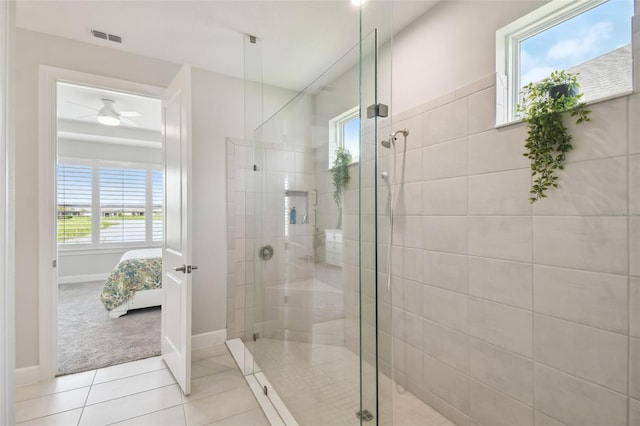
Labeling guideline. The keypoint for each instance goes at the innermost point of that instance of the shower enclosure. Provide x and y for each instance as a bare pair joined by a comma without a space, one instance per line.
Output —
309,265
497,312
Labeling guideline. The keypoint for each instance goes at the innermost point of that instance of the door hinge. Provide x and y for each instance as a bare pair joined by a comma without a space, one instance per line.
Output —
54,263
255,167
255,336
377,110
265,390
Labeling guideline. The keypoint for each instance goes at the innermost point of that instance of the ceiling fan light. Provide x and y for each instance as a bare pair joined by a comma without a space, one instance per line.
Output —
108,120
107,115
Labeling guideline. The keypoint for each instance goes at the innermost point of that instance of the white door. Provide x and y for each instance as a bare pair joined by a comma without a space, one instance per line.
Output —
176,255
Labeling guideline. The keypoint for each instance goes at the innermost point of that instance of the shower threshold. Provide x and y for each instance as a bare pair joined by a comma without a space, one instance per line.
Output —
272,405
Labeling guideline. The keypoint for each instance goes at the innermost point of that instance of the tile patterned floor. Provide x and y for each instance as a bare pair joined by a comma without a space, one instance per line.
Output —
319,383
144,393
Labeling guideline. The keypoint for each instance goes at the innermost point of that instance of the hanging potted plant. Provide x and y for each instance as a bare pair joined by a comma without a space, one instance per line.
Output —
542,108
340,177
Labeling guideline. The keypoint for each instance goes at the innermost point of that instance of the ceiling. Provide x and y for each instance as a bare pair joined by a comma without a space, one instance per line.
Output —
299,38
297,41
77,111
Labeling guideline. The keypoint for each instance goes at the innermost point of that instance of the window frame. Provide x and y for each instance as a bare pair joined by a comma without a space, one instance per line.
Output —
336,134
508,40
96,218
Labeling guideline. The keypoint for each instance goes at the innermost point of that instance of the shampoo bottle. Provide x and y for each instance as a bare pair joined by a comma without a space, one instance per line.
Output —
292,215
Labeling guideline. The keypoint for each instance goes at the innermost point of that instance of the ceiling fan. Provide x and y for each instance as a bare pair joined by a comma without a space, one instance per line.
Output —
108,115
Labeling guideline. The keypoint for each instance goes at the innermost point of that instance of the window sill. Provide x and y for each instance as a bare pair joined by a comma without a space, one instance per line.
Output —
102,250
590,103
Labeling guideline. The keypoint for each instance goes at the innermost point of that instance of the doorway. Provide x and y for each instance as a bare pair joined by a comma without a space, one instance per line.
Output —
109,204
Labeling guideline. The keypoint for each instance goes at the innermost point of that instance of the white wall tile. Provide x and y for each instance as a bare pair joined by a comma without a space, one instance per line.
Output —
634,307
542,419
577,402
446,345
482,111
590,353
501,325
598,300
411,266
445,123
412,232
408,166
443,407
590,243
634,184
445,270
634,245
498,150
502,370
502,237
489,407
501,281
415,375
608,123
597,187
413,333
447,197
447,383
408,199
634,124
634,368
446,307
445,160
502,193
445,233
413,292
634,411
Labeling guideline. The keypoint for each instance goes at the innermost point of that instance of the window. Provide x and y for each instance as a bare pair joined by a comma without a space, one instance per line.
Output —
102,204
591,38
344,131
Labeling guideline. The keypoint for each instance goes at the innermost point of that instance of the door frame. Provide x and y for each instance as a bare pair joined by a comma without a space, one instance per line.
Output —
48,247
7,224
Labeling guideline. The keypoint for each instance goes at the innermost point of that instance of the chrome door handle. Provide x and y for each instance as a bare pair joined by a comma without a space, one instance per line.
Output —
182,269
191,268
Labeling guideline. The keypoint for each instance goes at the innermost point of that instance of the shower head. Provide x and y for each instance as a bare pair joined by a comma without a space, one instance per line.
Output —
392,138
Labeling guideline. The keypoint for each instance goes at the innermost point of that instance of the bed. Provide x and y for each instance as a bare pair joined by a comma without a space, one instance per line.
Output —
135,282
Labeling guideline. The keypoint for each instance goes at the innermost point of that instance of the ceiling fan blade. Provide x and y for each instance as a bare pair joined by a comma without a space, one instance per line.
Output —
83,106
135,123
86,116
130,114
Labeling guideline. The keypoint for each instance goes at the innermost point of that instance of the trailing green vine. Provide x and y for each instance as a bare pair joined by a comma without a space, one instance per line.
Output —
340,173
548,141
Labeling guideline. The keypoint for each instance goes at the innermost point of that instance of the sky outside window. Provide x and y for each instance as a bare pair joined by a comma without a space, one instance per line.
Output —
577,40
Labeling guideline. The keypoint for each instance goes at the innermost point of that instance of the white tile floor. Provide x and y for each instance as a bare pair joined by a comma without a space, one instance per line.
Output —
144,393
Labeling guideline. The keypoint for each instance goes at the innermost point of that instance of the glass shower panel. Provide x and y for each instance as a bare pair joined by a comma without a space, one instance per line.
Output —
306,316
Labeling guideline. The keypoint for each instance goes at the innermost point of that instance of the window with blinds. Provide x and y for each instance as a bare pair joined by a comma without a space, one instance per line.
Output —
105,205
122,205
74,204
157,183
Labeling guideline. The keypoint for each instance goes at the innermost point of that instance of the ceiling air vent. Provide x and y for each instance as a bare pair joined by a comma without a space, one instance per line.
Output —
105,36
99,34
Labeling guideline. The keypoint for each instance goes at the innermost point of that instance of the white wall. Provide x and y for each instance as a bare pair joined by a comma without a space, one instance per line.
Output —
218,113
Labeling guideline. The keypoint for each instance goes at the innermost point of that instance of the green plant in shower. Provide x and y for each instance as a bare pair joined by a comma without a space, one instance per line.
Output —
340,173
542,108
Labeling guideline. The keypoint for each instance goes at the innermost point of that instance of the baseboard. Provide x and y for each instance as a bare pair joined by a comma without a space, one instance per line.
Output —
27,375
73,279
205,340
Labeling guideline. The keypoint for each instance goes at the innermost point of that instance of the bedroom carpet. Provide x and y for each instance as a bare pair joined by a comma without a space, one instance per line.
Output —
89,339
